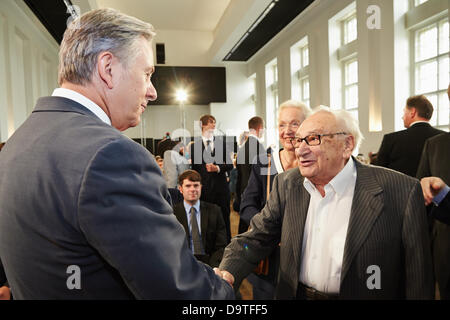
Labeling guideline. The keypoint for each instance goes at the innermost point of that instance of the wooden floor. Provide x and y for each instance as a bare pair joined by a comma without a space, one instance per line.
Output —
246,288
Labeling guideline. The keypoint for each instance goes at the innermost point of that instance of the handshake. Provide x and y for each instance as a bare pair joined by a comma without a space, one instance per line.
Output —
225,275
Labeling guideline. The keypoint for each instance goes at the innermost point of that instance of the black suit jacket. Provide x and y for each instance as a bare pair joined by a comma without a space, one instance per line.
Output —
80,193
212,229
246,156
215,185
401,151
387,228
442,211
435,162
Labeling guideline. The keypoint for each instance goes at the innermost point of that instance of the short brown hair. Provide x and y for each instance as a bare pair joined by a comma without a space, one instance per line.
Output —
207,118
255,122
191,175
422,105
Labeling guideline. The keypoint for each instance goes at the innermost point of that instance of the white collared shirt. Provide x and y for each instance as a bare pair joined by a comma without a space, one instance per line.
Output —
211,139
85,102
326,230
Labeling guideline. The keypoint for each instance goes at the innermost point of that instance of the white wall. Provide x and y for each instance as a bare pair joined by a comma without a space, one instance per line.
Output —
28,64
382,57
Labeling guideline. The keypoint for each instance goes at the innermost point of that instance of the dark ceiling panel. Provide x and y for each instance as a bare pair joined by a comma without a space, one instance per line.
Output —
52,14
279,17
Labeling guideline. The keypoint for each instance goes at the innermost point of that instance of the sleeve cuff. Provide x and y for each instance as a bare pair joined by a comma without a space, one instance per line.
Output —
441,195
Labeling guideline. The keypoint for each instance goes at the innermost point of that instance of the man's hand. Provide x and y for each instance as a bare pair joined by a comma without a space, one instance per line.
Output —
5,293
225,275
431,186
211,167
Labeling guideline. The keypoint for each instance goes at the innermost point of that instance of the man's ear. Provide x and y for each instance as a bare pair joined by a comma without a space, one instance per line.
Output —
349,145
104,68
180,189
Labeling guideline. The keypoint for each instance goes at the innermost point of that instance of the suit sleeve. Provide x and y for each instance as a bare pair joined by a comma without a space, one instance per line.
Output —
424,165
419,280
2,275
384,152
221,238
245,251
442,211
252,196
123,213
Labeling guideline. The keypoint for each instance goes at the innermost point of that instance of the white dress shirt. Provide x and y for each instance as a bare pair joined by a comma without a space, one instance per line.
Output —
326,230
85,102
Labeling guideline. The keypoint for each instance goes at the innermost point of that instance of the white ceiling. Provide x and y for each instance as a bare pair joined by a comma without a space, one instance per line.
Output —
194,15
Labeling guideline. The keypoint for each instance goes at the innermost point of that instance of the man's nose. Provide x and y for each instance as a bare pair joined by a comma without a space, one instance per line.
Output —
151,93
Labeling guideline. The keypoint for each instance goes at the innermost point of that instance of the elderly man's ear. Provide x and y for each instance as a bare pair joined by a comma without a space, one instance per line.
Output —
349,146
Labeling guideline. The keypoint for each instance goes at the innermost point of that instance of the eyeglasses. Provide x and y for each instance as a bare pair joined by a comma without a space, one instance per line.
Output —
312,139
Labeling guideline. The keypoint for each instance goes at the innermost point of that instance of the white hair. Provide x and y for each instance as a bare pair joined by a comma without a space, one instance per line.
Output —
305,110
95,32
346,122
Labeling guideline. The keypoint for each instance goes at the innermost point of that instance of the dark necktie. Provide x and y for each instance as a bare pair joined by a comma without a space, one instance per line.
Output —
196,239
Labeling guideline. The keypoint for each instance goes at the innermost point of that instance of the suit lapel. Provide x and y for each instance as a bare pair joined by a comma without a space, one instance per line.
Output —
203,222
367,205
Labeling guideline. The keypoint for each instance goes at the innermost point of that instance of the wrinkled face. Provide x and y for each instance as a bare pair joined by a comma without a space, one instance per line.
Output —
322,163
191,190
407,117
289,121
132,89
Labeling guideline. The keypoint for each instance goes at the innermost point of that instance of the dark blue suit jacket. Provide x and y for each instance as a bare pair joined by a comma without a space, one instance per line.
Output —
77,192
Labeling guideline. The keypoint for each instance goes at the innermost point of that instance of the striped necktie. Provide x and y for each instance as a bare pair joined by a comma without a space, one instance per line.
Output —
196,239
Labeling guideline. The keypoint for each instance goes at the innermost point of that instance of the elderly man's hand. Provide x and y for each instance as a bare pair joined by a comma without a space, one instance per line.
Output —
431,186
5,293
225,275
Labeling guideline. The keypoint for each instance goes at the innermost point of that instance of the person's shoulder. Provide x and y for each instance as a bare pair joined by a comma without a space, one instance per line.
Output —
211,207
439,138
384,176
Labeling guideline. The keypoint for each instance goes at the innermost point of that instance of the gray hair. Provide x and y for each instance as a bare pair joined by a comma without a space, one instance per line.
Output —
346,121
95,32
306,111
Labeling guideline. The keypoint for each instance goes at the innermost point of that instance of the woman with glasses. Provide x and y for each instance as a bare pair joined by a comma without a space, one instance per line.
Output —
264,169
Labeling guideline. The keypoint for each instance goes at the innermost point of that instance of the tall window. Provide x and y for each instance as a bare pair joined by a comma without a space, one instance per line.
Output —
351,86
349,64
431,68
300,71
271,102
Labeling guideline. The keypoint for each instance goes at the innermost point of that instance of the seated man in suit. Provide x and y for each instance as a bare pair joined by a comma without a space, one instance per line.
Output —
84,210
203,222
401,151
345,230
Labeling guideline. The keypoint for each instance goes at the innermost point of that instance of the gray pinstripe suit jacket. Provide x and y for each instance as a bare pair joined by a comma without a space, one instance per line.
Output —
387,228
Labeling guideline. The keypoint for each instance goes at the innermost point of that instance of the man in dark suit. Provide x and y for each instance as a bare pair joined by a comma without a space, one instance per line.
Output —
401,150
345,230
208,222
211,157
245,156
437,193
84,210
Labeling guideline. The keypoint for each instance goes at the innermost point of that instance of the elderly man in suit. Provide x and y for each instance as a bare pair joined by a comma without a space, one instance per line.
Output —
84,210
203,222
345,230
401,150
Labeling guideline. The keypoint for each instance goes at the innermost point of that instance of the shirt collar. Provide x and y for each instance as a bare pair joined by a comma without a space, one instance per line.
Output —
340,182
187,206
417,122
85,102
206,139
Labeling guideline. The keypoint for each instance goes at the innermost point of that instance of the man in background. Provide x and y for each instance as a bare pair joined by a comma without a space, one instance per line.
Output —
401,150
202,221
